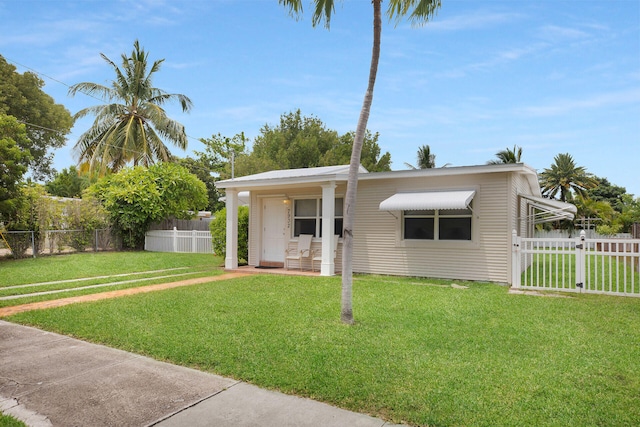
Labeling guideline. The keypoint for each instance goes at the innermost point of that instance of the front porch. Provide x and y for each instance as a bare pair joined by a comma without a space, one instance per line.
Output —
249,269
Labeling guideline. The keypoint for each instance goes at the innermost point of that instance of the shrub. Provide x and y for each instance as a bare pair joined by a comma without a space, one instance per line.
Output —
218,229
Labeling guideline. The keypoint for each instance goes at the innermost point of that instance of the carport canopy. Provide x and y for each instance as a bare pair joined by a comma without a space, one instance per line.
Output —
547,210
428,200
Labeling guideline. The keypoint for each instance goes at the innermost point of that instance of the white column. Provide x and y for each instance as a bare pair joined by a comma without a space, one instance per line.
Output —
328,266
231,260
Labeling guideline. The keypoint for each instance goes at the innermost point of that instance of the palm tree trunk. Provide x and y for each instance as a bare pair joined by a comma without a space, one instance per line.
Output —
346,314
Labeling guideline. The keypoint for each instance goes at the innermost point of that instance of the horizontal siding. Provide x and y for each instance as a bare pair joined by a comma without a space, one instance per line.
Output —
378,248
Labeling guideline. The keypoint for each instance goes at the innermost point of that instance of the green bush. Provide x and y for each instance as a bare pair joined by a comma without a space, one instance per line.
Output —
218,229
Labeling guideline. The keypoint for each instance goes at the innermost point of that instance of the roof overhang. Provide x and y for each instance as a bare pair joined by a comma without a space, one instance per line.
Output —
428,200
547,210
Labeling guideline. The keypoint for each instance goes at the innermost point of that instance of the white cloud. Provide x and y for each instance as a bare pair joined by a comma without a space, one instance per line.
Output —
566,106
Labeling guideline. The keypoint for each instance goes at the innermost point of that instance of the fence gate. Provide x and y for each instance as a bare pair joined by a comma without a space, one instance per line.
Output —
605,266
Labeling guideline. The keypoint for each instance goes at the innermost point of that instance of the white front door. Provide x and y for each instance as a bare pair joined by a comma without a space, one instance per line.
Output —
274,220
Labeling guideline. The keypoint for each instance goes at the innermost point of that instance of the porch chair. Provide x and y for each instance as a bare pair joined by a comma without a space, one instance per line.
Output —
302,250
316,254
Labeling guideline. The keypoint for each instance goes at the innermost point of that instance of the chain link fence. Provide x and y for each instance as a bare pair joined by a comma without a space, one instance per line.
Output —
23,244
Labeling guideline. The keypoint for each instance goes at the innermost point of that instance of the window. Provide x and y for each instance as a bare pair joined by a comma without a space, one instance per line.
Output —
307,217
436,224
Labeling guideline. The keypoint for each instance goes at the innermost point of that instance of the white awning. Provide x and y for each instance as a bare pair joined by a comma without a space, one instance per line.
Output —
428,200
549,210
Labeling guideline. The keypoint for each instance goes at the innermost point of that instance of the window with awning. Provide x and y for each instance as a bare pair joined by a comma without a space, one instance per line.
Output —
433,215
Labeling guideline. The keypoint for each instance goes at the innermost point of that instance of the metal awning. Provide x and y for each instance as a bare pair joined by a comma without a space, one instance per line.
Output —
547,210
428,200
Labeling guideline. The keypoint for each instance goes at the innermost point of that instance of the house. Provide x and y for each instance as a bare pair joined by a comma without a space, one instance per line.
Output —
454,222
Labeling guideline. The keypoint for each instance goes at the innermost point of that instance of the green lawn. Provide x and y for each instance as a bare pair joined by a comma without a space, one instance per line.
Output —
421,352
602,273
7,421
100,272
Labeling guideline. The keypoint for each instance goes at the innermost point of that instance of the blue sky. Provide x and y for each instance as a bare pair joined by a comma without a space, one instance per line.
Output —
550,76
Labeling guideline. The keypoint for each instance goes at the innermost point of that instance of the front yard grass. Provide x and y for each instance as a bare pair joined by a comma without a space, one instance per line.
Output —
421,351
88,273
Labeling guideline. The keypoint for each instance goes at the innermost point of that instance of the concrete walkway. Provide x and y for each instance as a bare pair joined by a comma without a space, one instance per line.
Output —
47,379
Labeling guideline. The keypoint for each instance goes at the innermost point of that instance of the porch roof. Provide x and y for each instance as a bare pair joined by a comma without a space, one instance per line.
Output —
290,176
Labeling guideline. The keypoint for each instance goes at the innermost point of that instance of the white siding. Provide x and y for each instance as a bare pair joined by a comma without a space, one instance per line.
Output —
378,247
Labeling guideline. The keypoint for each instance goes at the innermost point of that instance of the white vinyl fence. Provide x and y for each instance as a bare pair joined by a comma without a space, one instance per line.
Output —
580,264
192,241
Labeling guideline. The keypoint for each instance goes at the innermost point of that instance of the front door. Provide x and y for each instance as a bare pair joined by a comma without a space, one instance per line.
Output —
274,220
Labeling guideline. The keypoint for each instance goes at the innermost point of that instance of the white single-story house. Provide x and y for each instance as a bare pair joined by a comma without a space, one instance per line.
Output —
453,222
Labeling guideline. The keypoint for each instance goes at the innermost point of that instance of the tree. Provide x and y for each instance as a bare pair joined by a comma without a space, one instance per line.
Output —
370,158
68,183
426,160
13,164
420,12
220,153
566,178
48,123
507,156
296,142
136,197
130,128
607,192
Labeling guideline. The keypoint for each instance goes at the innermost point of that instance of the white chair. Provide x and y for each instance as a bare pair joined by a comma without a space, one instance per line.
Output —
316,254
302,250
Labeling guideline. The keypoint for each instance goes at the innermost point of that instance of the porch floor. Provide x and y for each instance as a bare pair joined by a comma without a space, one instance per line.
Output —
250,269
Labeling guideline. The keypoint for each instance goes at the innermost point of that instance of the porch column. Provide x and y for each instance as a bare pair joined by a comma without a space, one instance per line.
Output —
328,266
231,259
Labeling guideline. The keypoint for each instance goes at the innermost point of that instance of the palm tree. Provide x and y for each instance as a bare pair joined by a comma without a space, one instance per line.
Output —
426,160
420,12
507,156
132,125
565,177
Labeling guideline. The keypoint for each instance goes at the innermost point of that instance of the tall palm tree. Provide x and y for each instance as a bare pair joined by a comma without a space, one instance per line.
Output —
420,11
426,160
507,156
132,125
565,177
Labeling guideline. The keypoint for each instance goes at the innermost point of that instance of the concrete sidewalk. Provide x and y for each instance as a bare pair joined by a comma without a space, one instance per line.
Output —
49,379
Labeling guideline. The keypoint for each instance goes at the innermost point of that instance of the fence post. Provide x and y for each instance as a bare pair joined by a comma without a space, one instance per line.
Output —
194,244
33,244
175,239
516,261
580,261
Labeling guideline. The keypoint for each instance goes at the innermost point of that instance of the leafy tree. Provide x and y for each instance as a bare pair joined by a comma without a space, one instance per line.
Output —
419,11
629,214
219,151
200,170
13,164
130,128
48,123
136,197
607,192
426,160
218,228
297,142
599,210
565,177
370,158
507,156
68,183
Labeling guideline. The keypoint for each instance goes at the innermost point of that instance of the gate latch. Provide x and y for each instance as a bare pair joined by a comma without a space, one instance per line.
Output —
580,246
580,285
